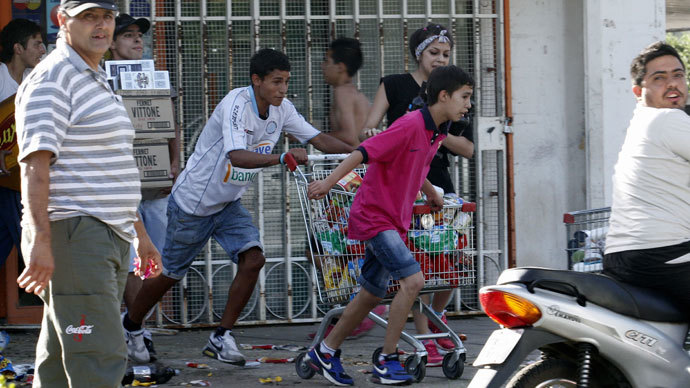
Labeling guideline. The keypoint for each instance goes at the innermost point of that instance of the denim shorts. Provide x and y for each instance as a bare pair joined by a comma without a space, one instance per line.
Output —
386,255
232,228
153,215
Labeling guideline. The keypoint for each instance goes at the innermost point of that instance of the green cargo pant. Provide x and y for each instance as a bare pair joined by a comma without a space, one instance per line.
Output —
82,341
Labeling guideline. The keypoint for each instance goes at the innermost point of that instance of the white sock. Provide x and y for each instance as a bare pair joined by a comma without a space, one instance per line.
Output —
323,348
382,357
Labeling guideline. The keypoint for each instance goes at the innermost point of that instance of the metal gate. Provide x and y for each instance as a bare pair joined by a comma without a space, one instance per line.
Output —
206,46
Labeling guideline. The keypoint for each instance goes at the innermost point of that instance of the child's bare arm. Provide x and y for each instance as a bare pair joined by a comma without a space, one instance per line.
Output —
459,145
378,110
433,198
319,189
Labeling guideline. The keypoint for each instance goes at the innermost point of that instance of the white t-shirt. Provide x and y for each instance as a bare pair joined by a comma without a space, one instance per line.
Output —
651,182
209,181
8,86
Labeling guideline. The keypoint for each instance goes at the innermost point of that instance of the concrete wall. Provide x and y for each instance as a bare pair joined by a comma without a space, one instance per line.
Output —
571,105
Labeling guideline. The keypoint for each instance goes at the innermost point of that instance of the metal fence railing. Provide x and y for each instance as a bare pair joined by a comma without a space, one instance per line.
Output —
206,46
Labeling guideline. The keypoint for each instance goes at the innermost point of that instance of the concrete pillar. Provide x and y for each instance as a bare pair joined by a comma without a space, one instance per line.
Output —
615,31
548,112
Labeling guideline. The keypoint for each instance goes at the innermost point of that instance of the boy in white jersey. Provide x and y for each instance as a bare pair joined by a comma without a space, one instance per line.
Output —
235,145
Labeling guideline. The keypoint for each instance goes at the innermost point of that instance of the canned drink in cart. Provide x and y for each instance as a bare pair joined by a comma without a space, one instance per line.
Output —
350,182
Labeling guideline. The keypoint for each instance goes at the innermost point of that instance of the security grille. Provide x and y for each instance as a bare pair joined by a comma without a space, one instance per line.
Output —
206,46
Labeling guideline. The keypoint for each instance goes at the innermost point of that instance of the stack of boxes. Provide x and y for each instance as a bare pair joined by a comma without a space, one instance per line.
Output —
147,99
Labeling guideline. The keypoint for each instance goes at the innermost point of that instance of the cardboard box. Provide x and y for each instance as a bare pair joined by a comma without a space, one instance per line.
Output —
153,160
151,112
138,80
113,68
135,80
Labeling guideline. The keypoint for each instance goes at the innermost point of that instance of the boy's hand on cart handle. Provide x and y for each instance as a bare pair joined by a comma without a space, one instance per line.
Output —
318,189
300,155
435,201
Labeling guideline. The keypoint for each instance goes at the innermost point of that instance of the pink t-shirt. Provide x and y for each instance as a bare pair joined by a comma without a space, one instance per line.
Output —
397,160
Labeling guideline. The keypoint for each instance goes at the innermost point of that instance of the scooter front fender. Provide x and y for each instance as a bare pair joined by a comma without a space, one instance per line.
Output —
494,375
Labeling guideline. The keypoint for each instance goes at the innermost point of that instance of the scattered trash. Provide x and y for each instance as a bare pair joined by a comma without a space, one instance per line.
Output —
289,347
137,383
148,374
269,380
197,365
252,364
199,383
24,369
365,371
268,360
6,369
4,384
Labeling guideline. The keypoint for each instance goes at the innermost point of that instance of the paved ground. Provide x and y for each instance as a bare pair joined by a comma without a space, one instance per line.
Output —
175,350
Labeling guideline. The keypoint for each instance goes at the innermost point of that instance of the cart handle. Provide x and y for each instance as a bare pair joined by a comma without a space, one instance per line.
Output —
467,207
325,157
291,163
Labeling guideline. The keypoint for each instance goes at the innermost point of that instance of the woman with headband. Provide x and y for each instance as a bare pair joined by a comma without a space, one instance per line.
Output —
430,47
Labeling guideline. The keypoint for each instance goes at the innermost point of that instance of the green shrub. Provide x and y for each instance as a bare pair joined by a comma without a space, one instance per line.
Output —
681,42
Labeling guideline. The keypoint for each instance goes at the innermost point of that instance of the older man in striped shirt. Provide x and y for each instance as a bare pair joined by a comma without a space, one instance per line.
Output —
80,193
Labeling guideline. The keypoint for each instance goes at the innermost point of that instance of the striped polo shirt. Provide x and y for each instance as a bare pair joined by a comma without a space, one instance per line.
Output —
67,108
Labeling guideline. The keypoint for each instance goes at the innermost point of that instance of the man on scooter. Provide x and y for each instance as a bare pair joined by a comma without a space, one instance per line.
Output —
648,242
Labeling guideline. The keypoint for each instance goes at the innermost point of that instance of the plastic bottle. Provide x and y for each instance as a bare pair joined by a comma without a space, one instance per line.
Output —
147,373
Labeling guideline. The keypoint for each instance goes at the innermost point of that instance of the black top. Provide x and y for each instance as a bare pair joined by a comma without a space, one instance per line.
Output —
401,89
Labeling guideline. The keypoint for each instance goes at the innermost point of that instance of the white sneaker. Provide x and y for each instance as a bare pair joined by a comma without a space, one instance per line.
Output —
224,349
136,348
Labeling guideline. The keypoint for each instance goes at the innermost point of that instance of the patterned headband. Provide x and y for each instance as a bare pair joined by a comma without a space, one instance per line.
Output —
442,38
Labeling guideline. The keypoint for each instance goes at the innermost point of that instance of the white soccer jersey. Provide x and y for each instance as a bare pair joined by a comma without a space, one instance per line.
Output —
209,181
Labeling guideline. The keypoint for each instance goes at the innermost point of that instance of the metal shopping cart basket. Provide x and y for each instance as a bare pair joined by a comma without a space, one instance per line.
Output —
586,238
442,242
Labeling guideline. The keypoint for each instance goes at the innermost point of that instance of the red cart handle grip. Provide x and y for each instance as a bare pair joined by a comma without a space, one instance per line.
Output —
290,161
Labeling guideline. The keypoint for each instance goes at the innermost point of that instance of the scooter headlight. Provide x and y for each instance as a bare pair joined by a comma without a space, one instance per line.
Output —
508,309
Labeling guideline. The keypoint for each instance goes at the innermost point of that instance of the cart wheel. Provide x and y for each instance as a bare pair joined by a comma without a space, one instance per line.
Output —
375,356
417,372
453,371
303,369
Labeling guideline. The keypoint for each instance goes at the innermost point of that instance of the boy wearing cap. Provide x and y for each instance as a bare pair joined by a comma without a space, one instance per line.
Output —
81,189
128,44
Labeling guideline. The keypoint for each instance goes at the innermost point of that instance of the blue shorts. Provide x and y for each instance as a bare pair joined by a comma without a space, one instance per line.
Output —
187,234
153,215
386,255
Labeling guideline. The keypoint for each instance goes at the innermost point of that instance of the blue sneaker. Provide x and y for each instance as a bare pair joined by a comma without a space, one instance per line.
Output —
390,371
328,366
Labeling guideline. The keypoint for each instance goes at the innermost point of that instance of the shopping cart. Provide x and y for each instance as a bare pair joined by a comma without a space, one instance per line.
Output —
586,238
442,242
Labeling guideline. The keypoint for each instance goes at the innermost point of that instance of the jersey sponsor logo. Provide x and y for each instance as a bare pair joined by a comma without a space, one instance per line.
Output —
240,176
233,117
271,127
263,148
78,331
243,176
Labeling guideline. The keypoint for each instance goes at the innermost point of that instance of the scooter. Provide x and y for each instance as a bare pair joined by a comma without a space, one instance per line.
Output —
592,331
